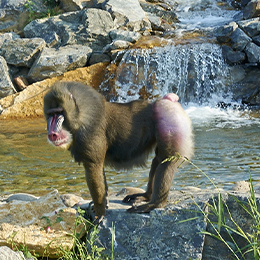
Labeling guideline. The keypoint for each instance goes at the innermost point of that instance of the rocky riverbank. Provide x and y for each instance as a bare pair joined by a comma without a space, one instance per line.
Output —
176,232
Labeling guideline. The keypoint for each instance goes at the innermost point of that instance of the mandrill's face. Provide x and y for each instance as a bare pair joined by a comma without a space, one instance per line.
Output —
57,135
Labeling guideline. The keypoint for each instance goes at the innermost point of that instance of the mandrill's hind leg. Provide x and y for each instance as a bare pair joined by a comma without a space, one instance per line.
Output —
162,182
146,196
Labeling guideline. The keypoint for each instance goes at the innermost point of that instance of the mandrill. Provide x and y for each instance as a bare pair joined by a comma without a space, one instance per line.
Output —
99,133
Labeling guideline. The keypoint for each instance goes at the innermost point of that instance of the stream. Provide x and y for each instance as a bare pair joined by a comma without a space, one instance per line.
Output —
227,142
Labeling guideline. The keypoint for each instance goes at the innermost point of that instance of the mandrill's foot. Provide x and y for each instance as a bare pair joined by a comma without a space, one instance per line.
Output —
146,208
136,198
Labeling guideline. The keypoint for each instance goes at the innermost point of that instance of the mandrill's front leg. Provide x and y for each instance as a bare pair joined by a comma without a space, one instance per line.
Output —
97,185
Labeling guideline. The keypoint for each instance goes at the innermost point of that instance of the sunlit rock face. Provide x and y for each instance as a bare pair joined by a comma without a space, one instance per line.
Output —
41,224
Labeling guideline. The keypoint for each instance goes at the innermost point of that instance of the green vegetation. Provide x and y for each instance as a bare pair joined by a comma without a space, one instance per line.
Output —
84,248
52,9
227,230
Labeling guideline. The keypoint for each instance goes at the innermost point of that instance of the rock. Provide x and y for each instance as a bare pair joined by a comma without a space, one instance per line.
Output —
175,232
239,39
75,5
129,191
223,33
232,57
89,27
241,186
117,44
128,14
7,37
125,35
158,235
98,57
21,196
70,199
168,16
253,52
26,222
22,52
21,83
29,102
8,254
252,9
14,14
247,90
256,40
250,27
54,62
6,87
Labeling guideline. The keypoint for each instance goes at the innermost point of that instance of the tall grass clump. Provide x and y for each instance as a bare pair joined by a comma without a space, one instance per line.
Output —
242,243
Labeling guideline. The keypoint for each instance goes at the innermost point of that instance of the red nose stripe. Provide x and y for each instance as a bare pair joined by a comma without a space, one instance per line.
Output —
53,124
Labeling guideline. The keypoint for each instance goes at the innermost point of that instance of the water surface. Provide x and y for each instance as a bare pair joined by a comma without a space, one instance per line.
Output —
227,147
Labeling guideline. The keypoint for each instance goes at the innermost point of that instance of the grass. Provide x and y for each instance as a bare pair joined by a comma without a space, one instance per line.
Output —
84,248
52,9
243,243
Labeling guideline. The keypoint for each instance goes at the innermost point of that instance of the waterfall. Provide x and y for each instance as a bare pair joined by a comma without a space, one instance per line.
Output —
196,72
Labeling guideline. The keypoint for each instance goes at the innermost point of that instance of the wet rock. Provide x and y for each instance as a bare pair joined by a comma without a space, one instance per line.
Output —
168,15
253,52
239,39
252,9
22,52
128,14
223,33
250,27
117,44
256,40
54,62
247,90
98,57
125,35
232,57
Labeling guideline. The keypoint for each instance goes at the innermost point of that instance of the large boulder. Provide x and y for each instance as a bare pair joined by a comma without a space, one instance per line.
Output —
54,62
89,27
128,14
22,52
29,102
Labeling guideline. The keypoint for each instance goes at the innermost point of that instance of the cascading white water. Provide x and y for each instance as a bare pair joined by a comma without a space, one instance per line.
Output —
196,72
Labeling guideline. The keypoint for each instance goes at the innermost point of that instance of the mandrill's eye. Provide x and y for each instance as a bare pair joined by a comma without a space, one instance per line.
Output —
53,111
